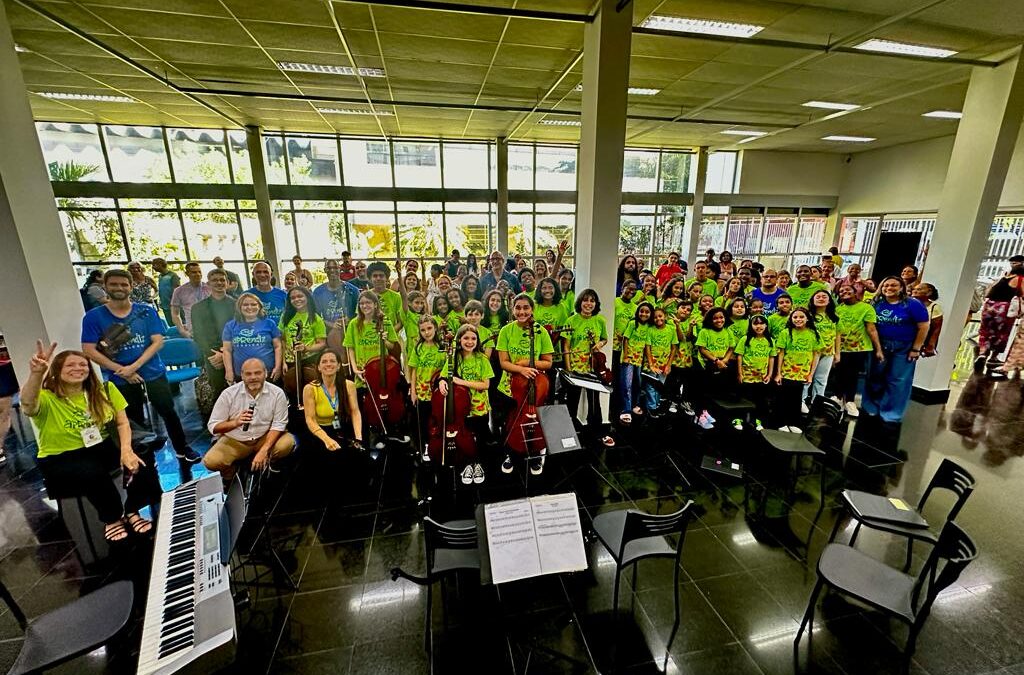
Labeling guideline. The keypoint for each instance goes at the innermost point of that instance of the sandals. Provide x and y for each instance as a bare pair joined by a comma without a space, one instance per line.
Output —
139,524
626,418
638,411
608,441
115,531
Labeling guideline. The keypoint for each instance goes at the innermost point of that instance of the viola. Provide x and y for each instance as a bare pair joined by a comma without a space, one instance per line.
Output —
449,436
598,361
523,434
384,403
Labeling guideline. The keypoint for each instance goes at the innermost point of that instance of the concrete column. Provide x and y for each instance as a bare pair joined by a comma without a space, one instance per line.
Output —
691,232
40,298
985,139
264,211
501,169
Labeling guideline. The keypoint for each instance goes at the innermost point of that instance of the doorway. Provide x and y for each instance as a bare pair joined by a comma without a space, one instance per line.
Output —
896,250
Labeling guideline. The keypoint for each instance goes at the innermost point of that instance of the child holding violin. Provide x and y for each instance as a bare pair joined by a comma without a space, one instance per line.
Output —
587,335
472,369
517,343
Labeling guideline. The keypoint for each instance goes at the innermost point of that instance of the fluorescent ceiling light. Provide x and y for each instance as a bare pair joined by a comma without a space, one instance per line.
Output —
679,24
830,105
64,96
849,139
561,122
891,47
632,91
328,69
747,140
944,114
19,48
355,111
744,132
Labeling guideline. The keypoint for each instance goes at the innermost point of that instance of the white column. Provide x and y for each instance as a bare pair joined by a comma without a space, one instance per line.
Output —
501,183
261,192
691,231
985,139
40,298
606,49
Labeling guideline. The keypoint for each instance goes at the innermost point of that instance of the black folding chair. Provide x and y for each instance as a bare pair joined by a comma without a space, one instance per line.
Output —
895,593
72,630
863,507
631,536
451,546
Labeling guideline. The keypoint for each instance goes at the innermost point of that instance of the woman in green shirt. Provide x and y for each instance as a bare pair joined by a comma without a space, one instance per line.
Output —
301,311
823,308
362,338
858,337
73,412
549,312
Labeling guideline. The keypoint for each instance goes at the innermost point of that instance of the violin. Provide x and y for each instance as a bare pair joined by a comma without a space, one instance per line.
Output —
384,404
598,361
299,373
449,436
523,434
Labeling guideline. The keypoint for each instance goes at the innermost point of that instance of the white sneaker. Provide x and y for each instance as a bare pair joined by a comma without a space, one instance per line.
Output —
795,430
836,399
708,415
804,409
704,422
537,466
758,426
737,424
467,475
478,474
506,466
852,410
786,429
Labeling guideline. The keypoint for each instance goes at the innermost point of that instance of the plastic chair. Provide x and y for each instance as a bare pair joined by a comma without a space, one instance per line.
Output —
172,332
451,546
72,630
180,356
631,536
895,593
860,505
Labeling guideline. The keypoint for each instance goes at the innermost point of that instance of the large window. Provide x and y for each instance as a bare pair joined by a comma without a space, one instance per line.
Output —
777,237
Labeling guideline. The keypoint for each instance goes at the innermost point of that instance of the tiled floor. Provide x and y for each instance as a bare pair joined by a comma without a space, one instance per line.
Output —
743,586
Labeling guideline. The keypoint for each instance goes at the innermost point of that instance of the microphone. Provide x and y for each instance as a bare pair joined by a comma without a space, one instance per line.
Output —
252,406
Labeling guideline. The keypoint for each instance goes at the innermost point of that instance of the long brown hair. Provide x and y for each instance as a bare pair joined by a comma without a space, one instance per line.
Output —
95,392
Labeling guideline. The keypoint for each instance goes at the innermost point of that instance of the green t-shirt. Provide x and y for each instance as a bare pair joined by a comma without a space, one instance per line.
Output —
853,332
738,327
757,353
427,360
685,335
718,342
624,312
798,353
802,296
669,305
311,332
493,322
365,341
579,342
777,324
484,334
635,339
827,330
569,302
709,287
60,421
391,304
411,326
554,316
660,341
476,368
515,341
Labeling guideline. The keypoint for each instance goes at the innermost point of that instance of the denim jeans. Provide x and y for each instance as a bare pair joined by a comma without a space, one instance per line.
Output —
649,395
816,387
627,376
888,385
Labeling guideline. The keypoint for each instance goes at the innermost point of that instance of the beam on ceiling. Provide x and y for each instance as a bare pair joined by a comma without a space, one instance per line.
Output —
812,47
53,18
465,106
479,9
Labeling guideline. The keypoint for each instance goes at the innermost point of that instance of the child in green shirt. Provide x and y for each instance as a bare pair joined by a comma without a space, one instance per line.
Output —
715,343
662,343
755,365
634,343
425,360
473,371
777,321
799,348
588,334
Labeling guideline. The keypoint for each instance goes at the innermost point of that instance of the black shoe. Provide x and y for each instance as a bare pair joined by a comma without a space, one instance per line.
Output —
188,455
979,364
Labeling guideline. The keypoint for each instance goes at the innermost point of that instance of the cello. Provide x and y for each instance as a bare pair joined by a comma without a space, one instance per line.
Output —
523,434
303,373
449,436
598,361
384,403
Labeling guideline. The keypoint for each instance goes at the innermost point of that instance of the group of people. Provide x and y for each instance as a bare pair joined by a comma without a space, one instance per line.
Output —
374,353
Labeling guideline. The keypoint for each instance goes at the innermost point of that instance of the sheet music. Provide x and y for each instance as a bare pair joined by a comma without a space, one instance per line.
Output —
512,541
559,533
532,537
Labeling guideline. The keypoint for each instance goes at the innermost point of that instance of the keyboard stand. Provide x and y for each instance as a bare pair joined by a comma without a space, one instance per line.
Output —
261,553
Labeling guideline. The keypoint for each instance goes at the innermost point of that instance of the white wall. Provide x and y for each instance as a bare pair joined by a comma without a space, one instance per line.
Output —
910,178
767,172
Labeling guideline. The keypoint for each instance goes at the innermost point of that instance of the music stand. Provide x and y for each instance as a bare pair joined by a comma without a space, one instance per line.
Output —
560,436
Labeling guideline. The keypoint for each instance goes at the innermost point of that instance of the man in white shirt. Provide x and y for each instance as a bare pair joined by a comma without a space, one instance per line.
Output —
249,420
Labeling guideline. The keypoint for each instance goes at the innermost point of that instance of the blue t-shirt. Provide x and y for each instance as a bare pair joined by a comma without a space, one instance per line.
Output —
769,300
331,304
251,341
143,322
273,301
898,323
166,284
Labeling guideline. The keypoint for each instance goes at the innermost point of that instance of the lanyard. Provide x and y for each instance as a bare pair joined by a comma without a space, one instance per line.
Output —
337,398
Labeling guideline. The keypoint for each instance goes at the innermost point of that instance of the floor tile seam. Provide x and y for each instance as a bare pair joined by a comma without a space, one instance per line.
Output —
280,634
715,611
